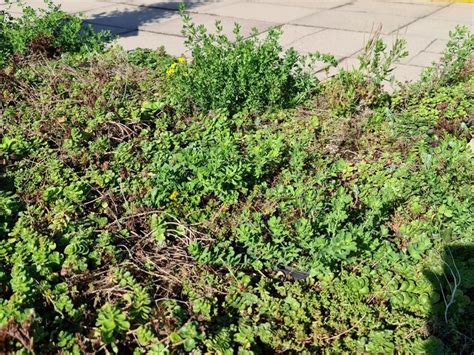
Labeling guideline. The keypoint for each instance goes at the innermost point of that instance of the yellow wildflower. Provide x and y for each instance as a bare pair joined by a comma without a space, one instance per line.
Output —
174,195
171,69
181,60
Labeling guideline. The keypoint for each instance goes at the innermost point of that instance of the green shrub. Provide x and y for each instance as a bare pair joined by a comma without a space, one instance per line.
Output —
240,74
456,60
47,31
352,90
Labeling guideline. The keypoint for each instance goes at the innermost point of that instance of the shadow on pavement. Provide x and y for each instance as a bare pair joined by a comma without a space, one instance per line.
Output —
451,323
128,20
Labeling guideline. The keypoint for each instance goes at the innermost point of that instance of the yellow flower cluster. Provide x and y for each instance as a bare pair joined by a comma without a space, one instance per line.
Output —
172,68
174,195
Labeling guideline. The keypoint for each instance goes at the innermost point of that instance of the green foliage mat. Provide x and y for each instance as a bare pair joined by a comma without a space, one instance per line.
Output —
132,223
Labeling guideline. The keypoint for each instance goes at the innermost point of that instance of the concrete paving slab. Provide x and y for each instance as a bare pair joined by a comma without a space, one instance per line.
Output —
292,33
349,63
390,8
425,59
430,28
114,30
175,25
355,21
190,5
263,12
405,73
414,44
127,16
437,46
315,4
439,3
460,13
81,6
173,44
36,4
337,42
68,6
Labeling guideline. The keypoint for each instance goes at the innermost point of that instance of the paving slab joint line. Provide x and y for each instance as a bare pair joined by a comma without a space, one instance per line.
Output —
415,65
157,7
420,18
137,29
128,30
151,6
217,17
286,23
158,33
429,44
419,52
181,36
318,30
330,28
205,11
339,61
342,5
354,53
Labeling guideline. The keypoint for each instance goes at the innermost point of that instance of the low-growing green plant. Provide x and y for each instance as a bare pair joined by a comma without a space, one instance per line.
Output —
111,323
343,225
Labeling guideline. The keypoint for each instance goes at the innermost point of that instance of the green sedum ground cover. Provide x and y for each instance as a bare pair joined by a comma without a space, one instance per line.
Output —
231,202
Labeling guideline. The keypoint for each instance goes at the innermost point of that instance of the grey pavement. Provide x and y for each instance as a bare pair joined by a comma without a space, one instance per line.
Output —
340,27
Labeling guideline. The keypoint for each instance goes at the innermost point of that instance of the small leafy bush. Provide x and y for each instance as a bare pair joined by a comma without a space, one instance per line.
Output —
455,62
363,86
241,74
47,31
376,63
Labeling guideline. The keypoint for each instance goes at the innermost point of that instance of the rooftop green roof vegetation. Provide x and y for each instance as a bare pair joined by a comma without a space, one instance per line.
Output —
228,201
